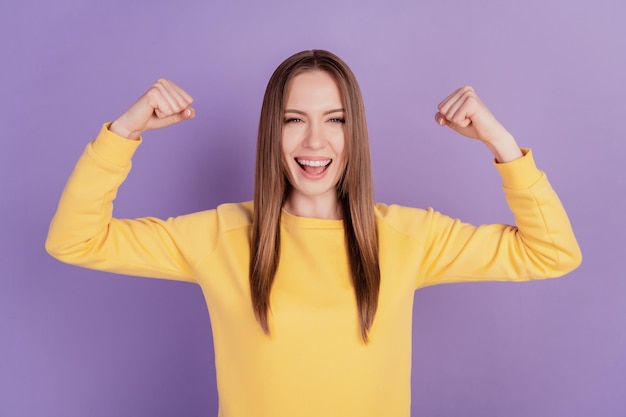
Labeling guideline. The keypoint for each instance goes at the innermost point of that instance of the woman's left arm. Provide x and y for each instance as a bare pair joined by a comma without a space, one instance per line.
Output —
540,245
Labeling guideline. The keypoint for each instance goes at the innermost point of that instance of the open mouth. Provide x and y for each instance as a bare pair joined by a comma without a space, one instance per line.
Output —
314,167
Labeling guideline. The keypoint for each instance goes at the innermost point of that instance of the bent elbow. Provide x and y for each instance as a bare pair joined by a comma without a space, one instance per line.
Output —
570,260
564,261
61,250
555,260
53,248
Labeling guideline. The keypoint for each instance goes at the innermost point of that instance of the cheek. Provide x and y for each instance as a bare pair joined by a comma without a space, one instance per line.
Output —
285,148
286,160
288,142
340,149
339,145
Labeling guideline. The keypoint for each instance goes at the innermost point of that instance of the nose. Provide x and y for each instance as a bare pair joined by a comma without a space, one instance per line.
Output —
314,137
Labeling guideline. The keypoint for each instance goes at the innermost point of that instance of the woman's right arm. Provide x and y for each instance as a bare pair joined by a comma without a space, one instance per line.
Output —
83,231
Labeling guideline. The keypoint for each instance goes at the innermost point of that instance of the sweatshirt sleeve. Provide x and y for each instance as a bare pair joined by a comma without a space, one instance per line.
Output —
540,245
84,232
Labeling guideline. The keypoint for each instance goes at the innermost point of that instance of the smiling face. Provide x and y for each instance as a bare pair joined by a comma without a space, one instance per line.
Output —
312,143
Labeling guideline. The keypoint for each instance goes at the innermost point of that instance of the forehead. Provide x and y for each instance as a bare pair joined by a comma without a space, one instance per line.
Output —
313,88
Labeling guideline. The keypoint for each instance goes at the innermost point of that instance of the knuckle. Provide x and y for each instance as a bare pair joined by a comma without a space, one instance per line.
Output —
153,93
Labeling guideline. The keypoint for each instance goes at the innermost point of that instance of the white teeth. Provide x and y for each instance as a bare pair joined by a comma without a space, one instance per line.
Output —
313,163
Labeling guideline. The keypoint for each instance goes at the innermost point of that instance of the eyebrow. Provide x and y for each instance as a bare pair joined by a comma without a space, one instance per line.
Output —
325,113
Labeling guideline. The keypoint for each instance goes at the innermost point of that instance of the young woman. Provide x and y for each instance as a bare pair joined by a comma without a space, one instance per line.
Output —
310,286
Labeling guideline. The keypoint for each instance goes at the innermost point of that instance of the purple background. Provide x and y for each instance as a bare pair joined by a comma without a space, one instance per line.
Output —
75,342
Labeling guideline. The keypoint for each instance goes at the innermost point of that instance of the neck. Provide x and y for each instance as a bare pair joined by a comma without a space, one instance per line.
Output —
318,207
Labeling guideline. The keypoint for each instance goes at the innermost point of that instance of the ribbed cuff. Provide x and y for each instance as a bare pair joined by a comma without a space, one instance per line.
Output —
520,173
114,148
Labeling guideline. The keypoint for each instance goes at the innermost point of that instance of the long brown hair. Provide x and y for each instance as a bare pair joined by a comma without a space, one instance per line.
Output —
354,190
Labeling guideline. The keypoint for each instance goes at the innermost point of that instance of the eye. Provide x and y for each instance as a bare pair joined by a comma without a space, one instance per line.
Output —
292,120
337,120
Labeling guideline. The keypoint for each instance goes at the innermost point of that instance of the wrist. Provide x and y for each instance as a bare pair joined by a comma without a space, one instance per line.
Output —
120,129
504,148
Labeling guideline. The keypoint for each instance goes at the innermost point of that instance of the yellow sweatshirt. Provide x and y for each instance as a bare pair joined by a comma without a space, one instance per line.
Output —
314,363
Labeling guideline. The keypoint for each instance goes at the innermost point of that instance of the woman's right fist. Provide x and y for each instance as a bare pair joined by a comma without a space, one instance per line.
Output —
162,105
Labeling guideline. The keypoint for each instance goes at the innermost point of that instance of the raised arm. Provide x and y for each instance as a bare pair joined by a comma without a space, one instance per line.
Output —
83,230
541,244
